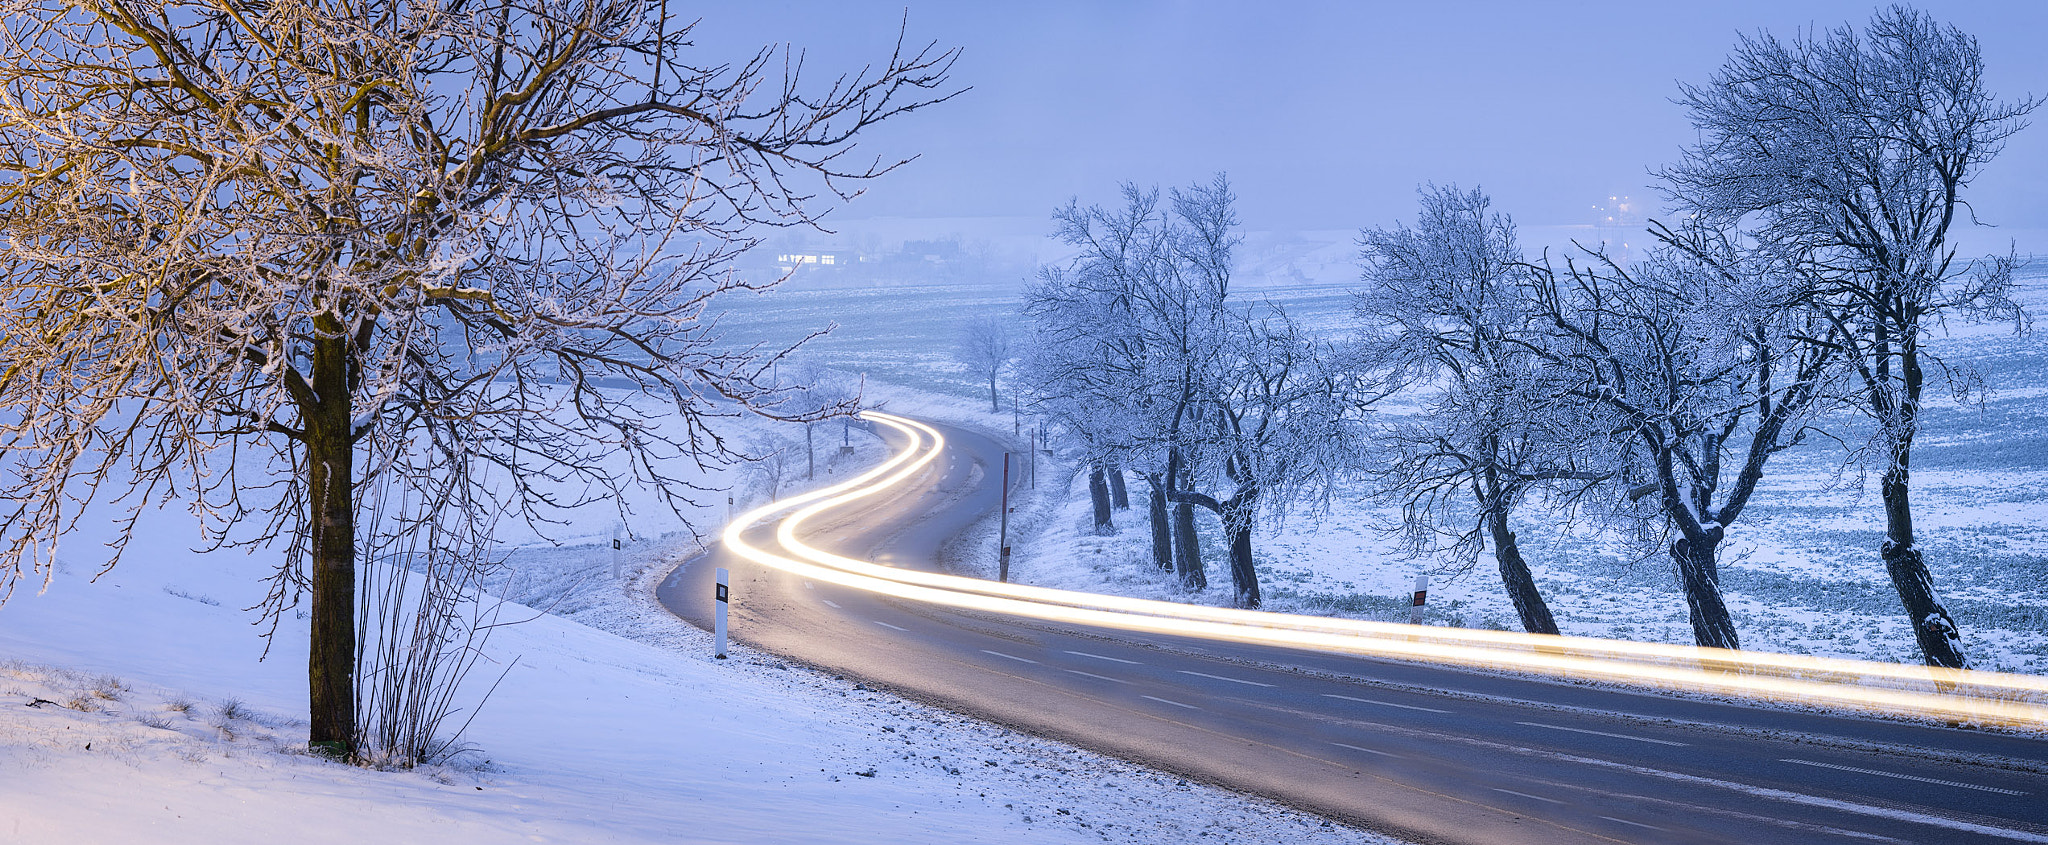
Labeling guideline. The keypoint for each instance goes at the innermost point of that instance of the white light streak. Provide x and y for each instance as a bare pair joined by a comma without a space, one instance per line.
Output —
1961,696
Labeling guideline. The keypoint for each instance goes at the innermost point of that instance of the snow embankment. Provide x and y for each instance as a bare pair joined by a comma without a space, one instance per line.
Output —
134,708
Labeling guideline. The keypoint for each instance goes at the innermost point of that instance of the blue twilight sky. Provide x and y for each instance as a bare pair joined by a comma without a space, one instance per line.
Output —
1327,115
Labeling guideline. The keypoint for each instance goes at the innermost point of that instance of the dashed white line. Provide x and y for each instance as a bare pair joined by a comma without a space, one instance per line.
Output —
1169,701
1221,678
807,586
1999,790
889,626
1098,677
1384,703
834,604
1105,657
1009,656
1366,750
1633,824
1605,734
1528,796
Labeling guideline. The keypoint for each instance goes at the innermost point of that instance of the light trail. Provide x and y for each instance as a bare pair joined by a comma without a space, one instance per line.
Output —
1960,696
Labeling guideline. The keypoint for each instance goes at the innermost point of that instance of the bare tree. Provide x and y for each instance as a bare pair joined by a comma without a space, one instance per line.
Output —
1281,429
1848,152
1124,334
1696,370
1440,303
488,237
985,349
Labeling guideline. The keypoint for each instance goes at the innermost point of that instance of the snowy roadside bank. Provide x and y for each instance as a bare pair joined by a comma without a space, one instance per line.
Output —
159,723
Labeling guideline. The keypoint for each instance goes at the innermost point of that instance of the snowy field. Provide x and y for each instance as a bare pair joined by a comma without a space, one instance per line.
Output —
1800,570
135,707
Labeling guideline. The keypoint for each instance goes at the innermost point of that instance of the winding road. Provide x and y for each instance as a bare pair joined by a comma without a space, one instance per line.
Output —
1423,752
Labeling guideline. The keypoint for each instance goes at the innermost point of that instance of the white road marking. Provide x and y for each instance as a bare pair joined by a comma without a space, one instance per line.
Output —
834,604
1528,796
807,586
1787,796
1605,734
1097,677
1998,790
1166,701
1105,657
1367,750
1009,656
888,626
1221,678
1633,824
1385,703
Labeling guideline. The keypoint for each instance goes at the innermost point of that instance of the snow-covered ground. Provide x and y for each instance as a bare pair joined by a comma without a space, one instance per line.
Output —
134,708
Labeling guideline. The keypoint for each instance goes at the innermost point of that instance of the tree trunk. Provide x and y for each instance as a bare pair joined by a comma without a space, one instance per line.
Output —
1236,514
1515,576
1098,493
995,403
1187,549
1244,579
330,503
1119,497
810,453
1699,575
1941,642
1162,530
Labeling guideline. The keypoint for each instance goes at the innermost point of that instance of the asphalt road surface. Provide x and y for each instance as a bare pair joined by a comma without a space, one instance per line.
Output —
1430,754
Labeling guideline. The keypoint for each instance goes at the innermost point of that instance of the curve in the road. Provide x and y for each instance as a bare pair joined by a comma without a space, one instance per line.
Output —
1430,753
1962,696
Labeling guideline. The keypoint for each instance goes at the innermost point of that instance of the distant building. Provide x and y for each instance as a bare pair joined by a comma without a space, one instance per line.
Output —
1617,225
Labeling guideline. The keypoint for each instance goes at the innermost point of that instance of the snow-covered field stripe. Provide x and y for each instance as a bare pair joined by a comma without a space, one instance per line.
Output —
1010,657
889,626
1958,784
1169,701
1097,677
1221,678
1606,734
1105,657
1384,703
1528,796
1366,750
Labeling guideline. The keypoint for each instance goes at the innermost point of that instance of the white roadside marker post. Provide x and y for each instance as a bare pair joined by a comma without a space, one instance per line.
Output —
1421,595
1003,537
617,549
718,627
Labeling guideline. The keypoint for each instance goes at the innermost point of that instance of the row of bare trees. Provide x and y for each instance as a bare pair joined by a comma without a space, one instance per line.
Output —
1812,264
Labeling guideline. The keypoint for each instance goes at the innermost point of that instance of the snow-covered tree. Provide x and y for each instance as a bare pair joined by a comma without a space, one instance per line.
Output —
1848,152
296,234
1696,373
1277,426
985,349
1439,304
1122,334
1138,349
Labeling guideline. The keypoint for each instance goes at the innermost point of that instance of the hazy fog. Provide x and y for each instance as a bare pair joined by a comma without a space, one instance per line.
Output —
1327,115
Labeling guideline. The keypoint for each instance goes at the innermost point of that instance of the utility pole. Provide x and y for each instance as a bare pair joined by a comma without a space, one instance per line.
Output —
1003,540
